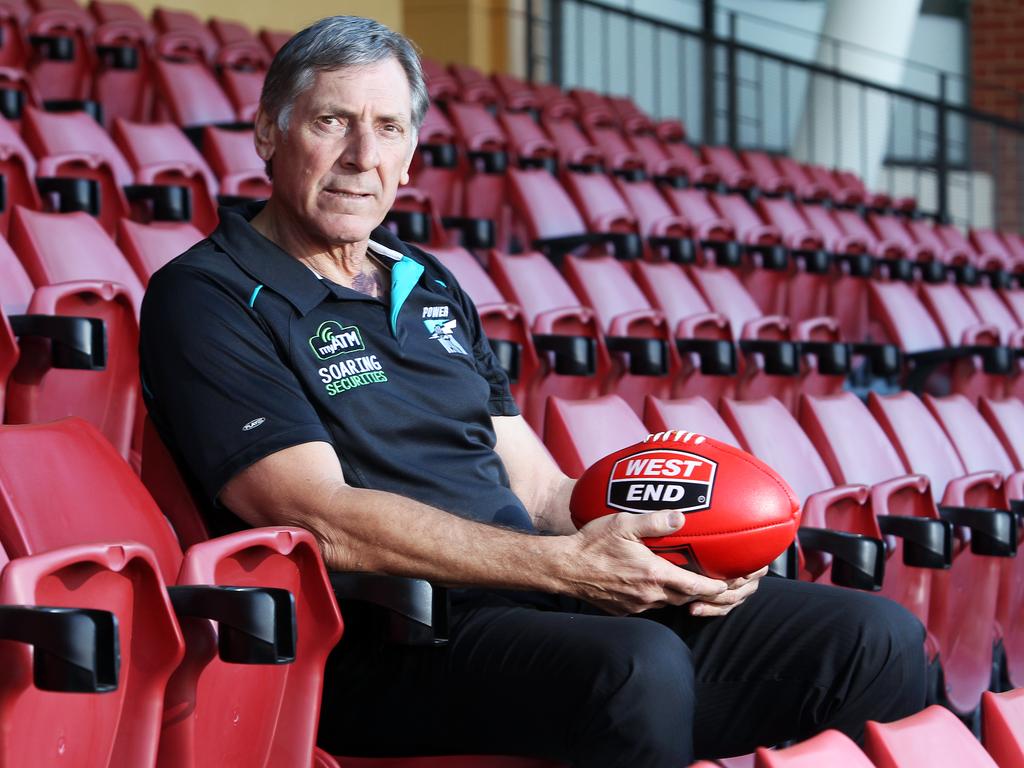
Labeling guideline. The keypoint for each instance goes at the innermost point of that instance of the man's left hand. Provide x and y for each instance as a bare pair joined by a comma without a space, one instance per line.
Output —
739,590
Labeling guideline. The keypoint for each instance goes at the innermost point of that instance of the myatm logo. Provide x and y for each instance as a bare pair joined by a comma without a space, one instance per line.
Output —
651,481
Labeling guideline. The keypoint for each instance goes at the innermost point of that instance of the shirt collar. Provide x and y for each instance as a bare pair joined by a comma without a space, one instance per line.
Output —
275,268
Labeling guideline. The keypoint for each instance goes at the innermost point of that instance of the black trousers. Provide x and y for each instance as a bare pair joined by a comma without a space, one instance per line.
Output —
555,678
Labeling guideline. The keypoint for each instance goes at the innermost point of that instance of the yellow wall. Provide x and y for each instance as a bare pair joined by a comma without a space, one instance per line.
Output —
285,16
464,31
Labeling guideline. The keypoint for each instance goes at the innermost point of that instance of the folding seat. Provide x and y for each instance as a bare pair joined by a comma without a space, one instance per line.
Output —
516,95
273,40
14,50
474,86
184,23
892,229
931,737
668,235
579,432
594,107
851,181
106,12
619,157
487,150
230,32
715,236
18,172
698,171
441,85
243,84
149,246
988,241
436,169
160,154
122,81
970,360
959,260
555,103
1014,244
91,691
575,150
78,352
896,262
661,166
504,323
529,145
843,196
188,95
991,308
694,414
1002,727
735,177
805,188
232,157
767,177
574,359
629,116
830,748
962,605
61,65
993,263
217,711
982,453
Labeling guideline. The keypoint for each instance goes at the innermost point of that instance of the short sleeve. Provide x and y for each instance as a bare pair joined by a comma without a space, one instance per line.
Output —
213,380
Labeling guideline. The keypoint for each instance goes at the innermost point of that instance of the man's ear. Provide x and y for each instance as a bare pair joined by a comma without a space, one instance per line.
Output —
404,178
266,135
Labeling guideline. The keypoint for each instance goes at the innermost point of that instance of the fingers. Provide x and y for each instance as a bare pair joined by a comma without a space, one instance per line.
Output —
650,525
722,604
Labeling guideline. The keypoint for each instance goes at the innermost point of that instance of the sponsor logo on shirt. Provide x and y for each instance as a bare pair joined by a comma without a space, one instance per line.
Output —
442,329
333,339
351,373
661,479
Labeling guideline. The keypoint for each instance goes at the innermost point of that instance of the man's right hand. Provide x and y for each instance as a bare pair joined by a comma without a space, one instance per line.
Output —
609,566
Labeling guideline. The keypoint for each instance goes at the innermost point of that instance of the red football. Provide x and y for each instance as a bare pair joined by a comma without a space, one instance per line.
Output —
740,515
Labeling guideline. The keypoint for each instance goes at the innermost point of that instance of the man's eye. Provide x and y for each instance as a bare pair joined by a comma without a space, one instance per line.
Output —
329,120
391,128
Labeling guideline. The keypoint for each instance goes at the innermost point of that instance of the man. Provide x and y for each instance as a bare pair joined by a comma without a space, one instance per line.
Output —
312,370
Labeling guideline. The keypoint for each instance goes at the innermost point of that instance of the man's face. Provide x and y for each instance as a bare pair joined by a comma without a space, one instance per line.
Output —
348,146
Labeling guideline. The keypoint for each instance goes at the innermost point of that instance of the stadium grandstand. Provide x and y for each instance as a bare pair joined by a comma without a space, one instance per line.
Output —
796,226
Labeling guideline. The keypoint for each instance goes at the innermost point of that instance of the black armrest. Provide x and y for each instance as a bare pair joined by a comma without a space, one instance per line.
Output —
773,257
833,357
556,247
410,226
857,264
728,253
647,357
74,650
90,107
441,155
626,245
786,565
885,359
548,164
857,561
815,262
998,278
72,194
194,133
476,233
995,360
509,354
255,625
170,203
75,342
780,357
118,56
717,356
898,268
966,274
927,543
493,162
574,355
12,103
932,271
678,249
53,47
993,531
406,611
630,174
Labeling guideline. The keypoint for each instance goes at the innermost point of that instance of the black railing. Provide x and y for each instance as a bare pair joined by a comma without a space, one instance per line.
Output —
961,164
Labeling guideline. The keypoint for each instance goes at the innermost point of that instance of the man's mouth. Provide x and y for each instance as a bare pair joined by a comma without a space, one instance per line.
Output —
348,194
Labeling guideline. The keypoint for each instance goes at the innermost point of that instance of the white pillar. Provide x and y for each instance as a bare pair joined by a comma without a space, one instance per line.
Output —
844,126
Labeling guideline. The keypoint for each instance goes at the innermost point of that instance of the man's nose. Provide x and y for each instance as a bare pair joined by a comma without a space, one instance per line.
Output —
361,150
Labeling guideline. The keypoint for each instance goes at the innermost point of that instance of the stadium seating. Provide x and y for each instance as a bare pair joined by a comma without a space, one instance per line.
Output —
1003,727
579,432
149,246
829,748
931,737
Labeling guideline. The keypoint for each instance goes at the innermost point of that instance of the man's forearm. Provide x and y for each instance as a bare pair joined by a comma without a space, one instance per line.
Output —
553,516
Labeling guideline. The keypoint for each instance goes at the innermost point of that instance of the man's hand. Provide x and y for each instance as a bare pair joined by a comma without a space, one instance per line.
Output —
738,590
610,567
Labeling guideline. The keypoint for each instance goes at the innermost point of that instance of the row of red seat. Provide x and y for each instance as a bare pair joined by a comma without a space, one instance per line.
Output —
951,563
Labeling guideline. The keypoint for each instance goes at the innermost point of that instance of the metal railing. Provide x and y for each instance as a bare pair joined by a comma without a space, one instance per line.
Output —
961,164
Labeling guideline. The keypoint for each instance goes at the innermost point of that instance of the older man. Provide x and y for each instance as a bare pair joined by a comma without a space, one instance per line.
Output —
313,370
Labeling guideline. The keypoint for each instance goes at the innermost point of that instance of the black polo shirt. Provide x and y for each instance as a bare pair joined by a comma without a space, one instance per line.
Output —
245,351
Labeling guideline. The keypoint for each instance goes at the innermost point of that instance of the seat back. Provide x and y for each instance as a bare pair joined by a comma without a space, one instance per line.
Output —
149,246
932,737
901,317
18,167
693,414
59,133
744,218
543,206
1006,420
605,286
121,727
830,748
653,213
975,442
601,204
145,144
532,281
726,295
1002,726
232,156
950,310
580,432
892,228
189,95
670,290
990,309
477,128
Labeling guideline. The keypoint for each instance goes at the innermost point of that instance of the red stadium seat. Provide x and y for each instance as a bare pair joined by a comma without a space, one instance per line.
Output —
619,157
474,86
228,713
699,172
1002,724
715,235
232,156
851,181
960,260
574,149
987,261
988,241
829,748
962,607
932,737
61,75
805,187
730,169
766,175
441,85
516,95
669,235
184,23
579,432
765,269
18,168
243,87
123,78
930,261
149,246
694,414
658,163
122,725
188,95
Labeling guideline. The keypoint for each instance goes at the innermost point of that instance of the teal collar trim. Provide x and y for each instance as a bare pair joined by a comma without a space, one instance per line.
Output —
404,276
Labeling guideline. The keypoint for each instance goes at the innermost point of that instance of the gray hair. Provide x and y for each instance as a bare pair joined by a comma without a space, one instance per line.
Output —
331,44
